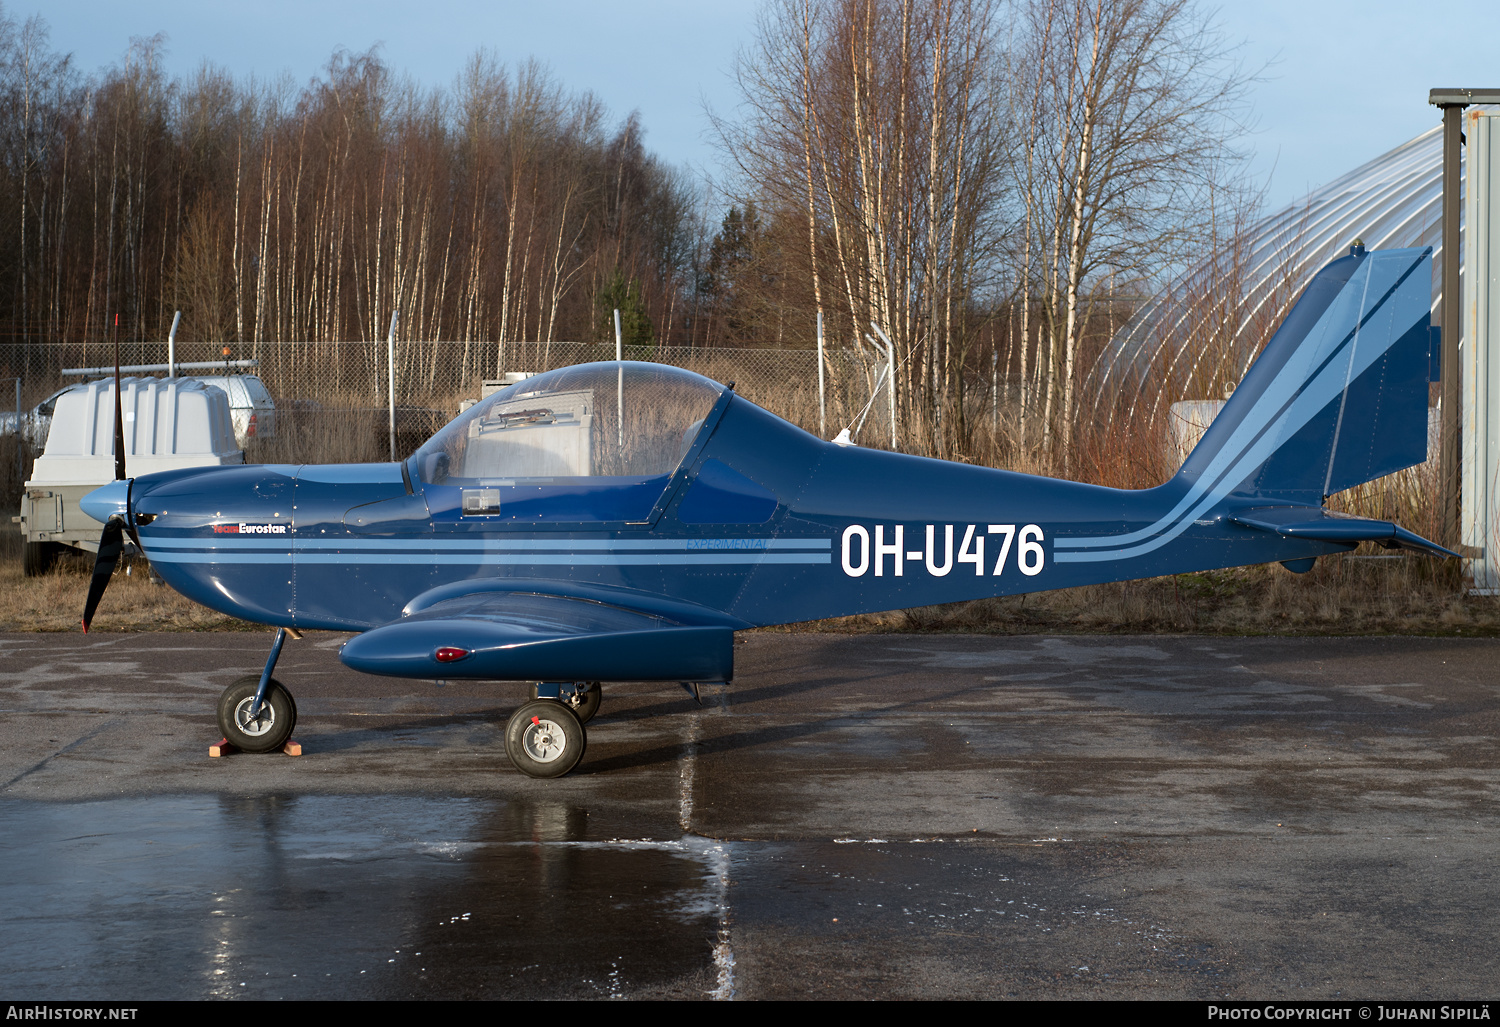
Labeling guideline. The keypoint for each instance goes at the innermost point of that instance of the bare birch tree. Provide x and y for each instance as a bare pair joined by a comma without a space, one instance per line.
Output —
1132,110
873,126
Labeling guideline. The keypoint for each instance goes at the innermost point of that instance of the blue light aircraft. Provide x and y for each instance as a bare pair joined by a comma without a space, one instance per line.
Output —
621,521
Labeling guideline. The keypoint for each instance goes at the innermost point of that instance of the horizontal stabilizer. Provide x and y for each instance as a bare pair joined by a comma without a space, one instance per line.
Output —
1321,525
509,636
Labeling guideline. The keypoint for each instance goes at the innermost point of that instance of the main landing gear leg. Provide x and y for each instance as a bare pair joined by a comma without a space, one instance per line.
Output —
257,713
582,697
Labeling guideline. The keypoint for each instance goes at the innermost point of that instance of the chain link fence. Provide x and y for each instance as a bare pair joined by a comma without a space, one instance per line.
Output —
442,373
331,397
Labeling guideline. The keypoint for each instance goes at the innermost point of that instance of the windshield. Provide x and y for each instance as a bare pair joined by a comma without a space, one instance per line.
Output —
627,419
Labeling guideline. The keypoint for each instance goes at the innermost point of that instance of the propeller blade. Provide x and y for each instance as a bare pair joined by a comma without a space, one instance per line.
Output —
110,544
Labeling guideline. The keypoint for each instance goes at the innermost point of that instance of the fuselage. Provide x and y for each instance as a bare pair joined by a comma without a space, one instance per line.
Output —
760,524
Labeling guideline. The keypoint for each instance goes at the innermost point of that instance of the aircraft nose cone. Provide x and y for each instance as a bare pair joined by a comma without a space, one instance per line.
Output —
102,503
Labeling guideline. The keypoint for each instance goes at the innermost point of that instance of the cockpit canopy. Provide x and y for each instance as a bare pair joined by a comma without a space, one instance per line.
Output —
604,420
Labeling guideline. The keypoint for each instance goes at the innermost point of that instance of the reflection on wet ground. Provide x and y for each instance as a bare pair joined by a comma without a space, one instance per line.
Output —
325,897
909,816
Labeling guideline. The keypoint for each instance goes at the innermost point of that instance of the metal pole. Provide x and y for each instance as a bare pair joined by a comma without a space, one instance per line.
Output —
119,411
890,363
620,386
1452,315
20,458
1452,101
822,404
890,386
1479,458
390,384
995,391
172,346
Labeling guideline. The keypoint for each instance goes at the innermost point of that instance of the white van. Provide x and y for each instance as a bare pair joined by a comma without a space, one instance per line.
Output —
250,405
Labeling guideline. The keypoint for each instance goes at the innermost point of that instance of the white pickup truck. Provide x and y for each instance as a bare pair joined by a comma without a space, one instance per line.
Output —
31,424
169,423
250,405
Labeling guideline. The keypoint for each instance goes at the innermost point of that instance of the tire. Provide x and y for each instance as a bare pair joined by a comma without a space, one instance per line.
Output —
585,708
38,558
544,738
270,731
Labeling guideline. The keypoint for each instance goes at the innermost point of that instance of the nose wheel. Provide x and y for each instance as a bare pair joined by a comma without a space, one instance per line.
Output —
544,738
264,730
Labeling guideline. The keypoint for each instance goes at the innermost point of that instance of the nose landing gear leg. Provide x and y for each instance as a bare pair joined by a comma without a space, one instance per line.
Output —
257,713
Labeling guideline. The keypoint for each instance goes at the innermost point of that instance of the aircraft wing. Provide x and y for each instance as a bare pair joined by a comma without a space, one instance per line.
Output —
517,636
1322,525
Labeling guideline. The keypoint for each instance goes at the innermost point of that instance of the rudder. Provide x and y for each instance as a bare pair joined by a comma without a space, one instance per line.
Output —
1339,395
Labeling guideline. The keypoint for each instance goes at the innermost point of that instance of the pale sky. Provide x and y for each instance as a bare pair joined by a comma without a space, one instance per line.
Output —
1350,77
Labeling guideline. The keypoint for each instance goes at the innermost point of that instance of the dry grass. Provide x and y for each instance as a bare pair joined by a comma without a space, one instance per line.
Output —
1343,595
54,602
342,432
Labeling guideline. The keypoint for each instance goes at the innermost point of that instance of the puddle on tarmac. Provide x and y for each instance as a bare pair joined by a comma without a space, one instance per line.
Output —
336,896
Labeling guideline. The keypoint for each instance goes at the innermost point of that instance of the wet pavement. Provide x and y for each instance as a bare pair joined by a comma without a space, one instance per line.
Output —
856,816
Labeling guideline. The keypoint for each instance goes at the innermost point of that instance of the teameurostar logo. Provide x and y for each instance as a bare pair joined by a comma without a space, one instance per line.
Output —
250,529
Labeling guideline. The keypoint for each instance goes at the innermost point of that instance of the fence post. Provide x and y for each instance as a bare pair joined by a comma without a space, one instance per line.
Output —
390,375
172,346
890,363
995,391
822,408
620,386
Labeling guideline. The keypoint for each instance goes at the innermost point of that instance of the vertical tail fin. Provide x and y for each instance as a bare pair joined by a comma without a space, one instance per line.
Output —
1339,395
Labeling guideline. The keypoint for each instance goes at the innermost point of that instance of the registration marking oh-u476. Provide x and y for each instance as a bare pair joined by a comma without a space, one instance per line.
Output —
866,550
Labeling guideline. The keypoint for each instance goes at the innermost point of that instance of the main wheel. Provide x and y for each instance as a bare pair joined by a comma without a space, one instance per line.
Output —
266,732
585,706
544,738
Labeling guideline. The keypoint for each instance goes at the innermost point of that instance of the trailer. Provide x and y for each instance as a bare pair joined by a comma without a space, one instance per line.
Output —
169,423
